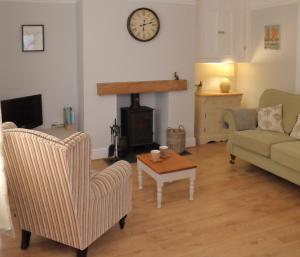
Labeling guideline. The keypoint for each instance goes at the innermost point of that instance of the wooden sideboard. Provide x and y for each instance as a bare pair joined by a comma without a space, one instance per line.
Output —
208,114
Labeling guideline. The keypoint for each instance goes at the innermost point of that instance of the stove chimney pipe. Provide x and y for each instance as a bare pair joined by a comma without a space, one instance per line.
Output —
135,101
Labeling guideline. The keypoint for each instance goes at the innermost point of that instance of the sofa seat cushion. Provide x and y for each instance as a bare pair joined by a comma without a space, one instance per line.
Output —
287,154
259,141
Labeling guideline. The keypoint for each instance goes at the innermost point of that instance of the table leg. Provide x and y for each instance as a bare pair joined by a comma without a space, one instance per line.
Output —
192,183
140,176
159,193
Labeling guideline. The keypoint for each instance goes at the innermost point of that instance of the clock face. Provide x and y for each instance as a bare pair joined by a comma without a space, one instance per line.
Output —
143,24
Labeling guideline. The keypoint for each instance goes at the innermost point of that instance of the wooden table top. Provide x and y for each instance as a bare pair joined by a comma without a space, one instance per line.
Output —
172,163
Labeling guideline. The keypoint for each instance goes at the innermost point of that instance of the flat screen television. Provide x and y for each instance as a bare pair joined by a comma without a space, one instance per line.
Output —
25,112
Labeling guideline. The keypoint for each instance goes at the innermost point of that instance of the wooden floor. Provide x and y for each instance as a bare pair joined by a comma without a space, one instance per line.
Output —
239,211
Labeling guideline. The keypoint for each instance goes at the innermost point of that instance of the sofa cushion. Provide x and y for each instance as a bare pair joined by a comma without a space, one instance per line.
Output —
287,154
259,141
290,106
296,130
270,118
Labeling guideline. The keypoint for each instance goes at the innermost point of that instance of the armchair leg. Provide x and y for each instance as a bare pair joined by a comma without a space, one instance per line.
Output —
82,253
122,222
232,159
25,239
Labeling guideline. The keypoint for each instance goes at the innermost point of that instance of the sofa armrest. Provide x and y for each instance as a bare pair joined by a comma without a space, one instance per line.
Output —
238,119
110,179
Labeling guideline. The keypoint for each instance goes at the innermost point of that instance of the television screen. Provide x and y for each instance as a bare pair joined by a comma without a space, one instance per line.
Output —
25,112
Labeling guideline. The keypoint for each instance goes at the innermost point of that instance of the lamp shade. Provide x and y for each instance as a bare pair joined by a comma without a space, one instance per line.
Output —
225,70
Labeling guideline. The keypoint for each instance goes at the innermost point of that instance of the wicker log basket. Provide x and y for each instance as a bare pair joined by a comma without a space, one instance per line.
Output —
176,139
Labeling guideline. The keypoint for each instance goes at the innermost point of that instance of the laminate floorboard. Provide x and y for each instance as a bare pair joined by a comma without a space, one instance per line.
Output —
238,211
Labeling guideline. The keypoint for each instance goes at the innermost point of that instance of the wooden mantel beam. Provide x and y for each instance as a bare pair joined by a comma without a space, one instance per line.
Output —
158,86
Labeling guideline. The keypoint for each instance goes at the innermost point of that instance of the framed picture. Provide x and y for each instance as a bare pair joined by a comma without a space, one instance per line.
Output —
33,38
272,37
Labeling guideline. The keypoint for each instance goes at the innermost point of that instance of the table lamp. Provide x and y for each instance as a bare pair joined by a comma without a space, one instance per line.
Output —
225,71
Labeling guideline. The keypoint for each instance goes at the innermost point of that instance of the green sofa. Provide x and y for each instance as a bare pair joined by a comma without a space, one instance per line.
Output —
275,152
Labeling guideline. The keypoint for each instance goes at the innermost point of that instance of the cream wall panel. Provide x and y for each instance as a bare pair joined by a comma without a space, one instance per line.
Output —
269,68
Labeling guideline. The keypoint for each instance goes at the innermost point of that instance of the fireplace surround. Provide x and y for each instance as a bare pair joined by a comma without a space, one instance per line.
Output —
156,94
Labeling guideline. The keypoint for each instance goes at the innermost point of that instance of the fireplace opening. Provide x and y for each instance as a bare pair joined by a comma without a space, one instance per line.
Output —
137,123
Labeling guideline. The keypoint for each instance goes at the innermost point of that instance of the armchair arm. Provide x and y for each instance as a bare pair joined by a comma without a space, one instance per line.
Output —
8,125
110,198
237,119
110,179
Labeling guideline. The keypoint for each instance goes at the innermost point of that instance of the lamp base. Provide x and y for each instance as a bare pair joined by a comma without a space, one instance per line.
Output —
225,85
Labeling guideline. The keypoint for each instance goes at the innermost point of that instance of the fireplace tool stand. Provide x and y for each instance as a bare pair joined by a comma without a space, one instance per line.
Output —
114,147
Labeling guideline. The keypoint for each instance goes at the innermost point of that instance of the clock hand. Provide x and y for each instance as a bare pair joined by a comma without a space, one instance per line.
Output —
144,24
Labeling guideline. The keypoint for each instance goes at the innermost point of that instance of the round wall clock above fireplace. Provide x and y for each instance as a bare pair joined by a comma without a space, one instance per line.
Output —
143,24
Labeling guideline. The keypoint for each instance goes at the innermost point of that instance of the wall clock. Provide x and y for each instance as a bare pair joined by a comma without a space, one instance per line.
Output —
143,24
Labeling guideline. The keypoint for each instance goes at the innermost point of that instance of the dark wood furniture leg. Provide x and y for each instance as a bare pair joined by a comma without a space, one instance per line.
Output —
122,222
82,253
232,159
25,239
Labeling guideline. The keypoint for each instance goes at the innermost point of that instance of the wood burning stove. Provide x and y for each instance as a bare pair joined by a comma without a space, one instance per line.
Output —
137,123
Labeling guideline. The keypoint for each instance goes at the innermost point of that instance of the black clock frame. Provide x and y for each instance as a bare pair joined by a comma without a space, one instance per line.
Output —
129,19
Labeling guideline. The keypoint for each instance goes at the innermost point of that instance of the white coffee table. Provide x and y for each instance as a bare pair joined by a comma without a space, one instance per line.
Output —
174,167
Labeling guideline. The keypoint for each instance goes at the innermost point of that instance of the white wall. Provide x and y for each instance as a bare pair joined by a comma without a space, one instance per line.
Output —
205,72
269,68
80,67
261,4
111,54
297,89
52,73
3,55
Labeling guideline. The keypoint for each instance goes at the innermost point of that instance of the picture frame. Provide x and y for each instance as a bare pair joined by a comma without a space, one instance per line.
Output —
33,38
272,37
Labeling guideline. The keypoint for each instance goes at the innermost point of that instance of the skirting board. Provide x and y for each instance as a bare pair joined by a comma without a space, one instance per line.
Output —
99,153
102,153
190,142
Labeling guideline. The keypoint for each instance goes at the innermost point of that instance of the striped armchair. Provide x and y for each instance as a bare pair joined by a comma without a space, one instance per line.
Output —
55,193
